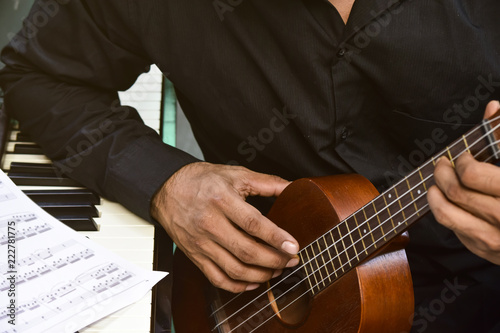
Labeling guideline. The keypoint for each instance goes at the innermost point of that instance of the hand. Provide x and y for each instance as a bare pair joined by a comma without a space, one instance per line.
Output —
467,201
202,207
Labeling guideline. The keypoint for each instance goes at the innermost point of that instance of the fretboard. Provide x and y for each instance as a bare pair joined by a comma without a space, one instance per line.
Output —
388,215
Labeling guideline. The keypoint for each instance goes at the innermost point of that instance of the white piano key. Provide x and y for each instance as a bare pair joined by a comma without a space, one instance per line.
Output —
116,231
135,255
124,243
25,158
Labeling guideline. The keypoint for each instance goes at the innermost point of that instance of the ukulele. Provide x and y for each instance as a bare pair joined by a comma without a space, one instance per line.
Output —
353,275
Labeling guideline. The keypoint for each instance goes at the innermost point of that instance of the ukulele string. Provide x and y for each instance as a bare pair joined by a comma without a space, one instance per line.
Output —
345,250
416,212
307,276
236,296
334,244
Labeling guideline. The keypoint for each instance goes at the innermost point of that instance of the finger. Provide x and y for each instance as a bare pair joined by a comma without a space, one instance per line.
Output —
250,183
481,205
219,278
236,269
491,109
218,228
454,217
482,177
254,223
488,249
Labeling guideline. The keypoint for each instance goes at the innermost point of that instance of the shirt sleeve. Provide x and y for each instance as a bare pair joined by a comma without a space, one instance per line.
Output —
62,74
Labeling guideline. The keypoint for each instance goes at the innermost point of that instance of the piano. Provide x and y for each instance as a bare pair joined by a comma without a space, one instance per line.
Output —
103,221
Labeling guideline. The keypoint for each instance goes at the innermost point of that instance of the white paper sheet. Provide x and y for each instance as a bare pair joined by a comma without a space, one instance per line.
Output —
51,278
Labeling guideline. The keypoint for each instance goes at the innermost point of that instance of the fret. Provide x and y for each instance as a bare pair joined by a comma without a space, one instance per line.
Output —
401,206
491,139
360,235
378,219
390,214
307,273
412,198
337,251
466,143
313,269
451,157
329,251
327,247
422,178
316,260
370,228
350,236
342,237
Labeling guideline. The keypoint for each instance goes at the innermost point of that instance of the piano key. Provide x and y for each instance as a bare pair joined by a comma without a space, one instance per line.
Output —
135,244
70,211
35,168
77,196
81,224
22,137
23,148
9,158
116,243
40,179
116,231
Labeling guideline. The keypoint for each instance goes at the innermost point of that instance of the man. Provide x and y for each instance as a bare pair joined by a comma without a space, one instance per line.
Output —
290,88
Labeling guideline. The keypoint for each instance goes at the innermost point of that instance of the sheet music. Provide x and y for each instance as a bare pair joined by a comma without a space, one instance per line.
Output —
53,279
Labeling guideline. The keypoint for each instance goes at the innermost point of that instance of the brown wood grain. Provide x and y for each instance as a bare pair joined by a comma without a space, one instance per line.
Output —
376,296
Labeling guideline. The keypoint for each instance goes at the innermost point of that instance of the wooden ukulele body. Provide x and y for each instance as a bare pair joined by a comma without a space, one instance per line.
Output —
376,296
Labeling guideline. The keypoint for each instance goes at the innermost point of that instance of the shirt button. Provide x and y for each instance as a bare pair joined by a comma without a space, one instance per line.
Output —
344,134
341,53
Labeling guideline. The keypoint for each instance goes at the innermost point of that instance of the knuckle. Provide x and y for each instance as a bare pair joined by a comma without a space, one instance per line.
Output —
236,272
203,222
245,254
279,262
217,281
469,174
492,243
441,215
252,224
455,193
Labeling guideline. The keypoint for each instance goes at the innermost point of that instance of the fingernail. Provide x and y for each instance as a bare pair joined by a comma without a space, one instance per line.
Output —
252,286
289,247
293,262
277,273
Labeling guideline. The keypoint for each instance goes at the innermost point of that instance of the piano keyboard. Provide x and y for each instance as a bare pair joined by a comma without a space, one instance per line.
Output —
146,96
104,222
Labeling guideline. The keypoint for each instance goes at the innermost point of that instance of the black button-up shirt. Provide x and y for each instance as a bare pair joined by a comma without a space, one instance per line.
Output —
279,86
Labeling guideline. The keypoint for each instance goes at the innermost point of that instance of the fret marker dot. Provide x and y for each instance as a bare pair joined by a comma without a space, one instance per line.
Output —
419,192
390,196
364,230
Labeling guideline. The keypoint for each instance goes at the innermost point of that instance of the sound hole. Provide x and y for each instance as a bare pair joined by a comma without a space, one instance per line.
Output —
290,297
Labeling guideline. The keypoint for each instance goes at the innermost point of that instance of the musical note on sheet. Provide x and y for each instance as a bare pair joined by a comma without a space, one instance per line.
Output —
53,279
5,194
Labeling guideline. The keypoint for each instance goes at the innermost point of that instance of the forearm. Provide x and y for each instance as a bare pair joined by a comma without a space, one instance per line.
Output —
61,85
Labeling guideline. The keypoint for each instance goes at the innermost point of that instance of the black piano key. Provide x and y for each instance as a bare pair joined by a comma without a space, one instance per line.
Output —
70,211
34,168
40,180
80,224
21,148
21,137
77,196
